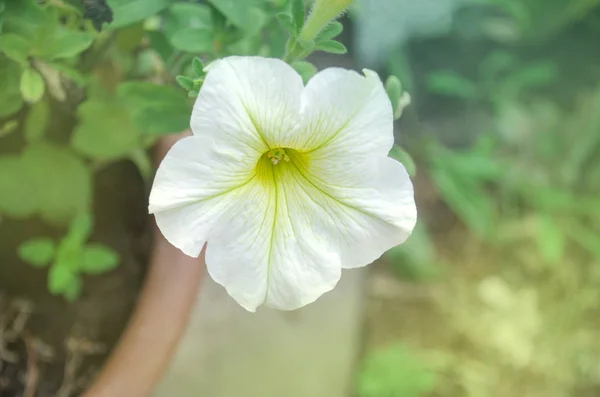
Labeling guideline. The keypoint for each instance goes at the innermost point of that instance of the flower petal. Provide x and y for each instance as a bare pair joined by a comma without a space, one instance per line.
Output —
269,253
248,101
345,112
364,210
194,188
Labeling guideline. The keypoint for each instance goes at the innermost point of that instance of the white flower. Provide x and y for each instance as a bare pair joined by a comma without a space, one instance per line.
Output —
285,184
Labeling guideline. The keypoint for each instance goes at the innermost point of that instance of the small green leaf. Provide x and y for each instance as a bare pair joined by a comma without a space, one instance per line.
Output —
73,290
287,23
15,47
245,15
18,195
156,109
60,179
105,130
36,121
305,69
22,17
186,15
185,82
402,156
143,162
60,279
331,31
331,46
127,12
32,85
298,14
198,67
98,259
393,87
38,252
10,99
451,84
64,43
307,45
193,40
80,228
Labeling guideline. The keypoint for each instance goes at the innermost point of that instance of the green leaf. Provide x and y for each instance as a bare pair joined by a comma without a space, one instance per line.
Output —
105,130
80,229
18,195
38,252
185,82
156,109
198,67
399,65
331,31
127,12
10,100
186,15
53,40
73,290
331,46
402,156
451,84
98,259
60,279
305,69
63,44
393,87
307,45
193,40
298,14
160,44
243,14
287,23
61,180
144,163
15,47
36,121
32,85
22,17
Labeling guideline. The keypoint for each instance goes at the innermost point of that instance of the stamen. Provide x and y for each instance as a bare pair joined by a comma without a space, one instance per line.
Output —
276,155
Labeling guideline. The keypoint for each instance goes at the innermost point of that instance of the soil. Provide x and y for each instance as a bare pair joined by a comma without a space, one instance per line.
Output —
51,348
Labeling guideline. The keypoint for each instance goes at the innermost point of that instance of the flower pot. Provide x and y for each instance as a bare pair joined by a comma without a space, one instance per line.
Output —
47,358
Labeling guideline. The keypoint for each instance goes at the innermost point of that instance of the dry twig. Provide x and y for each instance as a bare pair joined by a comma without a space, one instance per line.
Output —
77,350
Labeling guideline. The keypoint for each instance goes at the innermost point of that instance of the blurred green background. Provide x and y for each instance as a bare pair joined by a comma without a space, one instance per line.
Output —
498,288
496,293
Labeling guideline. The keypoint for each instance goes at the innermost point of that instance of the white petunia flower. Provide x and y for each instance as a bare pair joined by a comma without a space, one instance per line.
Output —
286,184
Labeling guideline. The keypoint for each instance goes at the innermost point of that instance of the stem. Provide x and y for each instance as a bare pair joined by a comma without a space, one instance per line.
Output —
294,52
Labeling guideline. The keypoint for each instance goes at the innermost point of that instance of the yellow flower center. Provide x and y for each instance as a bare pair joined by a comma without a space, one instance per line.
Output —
276,163
277,155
